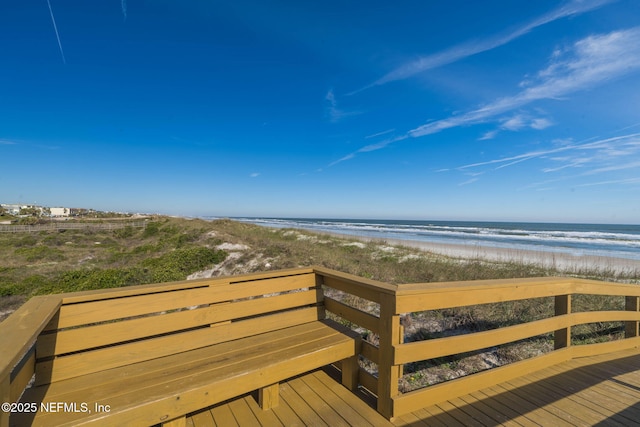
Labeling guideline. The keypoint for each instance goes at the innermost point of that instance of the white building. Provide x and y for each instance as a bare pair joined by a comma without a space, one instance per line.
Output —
12,209
60,212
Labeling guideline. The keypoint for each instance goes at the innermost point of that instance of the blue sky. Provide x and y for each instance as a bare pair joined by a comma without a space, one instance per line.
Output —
492,110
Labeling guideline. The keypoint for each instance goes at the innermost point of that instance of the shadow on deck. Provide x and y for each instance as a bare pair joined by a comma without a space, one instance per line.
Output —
599,390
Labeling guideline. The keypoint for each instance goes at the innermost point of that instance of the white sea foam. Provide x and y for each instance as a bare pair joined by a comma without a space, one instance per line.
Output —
620,241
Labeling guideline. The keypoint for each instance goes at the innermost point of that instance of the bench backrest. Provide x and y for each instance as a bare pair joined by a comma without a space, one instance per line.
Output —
104,330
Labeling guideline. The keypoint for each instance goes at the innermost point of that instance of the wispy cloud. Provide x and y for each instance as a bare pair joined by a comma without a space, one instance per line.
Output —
379,134
7,142
456,53
517,123
335,113
489,135
371,147
254,175
123,5
602,151
470,181
55,28
608,157
611,182
588,63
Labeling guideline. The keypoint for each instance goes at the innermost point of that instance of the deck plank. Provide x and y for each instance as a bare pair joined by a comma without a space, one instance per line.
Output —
427,419
603,390
242,413
202,419
296,399
346,411
223,416
265,418
459,415
312,397
434,415
529,412
286,414
491,415
351,399
568,402
537,395
586,396
503,408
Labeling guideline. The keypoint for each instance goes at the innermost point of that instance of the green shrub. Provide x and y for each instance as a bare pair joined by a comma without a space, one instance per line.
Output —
56,239
151,229
177,265
27,286
40,253
84,280
26,241
124,233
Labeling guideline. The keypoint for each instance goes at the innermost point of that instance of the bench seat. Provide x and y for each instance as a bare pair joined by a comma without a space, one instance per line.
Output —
164,389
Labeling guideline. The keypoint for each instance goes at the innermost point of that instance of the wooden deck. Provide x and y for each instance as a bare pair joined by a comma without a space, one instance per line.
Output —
64,339
598,390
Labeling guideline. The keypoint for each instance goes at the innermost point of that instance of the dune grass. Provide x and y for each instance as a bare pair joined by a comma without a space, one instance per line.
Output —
173,248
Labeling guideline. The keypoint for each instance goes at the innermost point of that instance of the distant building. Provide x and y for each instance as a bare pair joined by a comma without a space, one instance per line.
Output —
12,209
60,212
79,211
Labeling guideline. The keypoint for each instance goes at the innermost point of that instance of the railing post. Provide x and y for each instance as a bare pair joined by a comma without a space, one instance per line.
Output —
632,328
388,373
562,337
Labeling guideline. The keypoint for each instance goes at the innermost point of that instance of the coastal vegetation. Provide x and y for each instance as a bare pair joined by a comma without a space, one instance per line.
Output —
170,249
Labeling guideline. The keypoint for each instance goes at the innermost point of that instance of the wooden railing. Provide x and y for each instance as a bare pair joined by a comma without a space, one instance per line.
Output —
377,309
392,353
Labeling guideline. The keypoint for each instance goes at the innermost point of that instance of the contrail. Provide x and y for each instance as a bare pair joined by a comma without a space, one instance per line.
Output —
55,28
124,8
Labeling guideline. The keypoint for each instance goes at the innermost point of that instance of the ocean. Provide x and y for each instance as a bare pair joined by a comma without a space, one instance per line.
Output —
619,241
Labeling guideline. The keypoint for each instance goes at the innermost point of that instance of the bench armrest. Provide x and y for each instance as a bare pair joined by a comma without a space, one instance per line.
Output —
20,331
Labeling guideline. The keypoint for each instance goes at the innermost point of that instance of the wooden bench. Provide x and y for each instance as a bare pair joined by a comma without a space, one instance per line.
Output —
150,355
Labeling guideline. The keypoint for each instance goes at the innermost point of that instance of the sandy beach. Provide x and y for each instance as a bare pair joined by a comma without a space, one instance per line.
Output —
563,262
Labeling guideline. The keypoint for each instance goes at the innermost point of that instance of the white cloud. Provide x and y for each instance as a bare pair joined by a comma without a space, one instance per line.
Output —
540,124
488,135
514,123
590,62
615,181
517,123
379,134
597,157
254,175
456,53
7,142
334,113
470,181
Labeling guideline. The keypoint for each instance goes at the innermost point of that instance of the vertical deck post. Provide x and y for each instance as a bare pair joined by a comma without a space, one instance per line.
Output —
269,397
388,373
562,337
632,328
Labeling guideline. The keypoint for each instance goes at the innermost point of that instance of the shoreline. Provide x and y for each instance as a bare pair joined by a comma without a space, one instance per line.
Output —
560,261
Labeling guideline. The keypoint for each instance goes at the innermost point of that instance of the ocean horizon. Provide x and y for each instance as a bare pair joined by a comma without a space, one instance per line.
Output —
604,240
